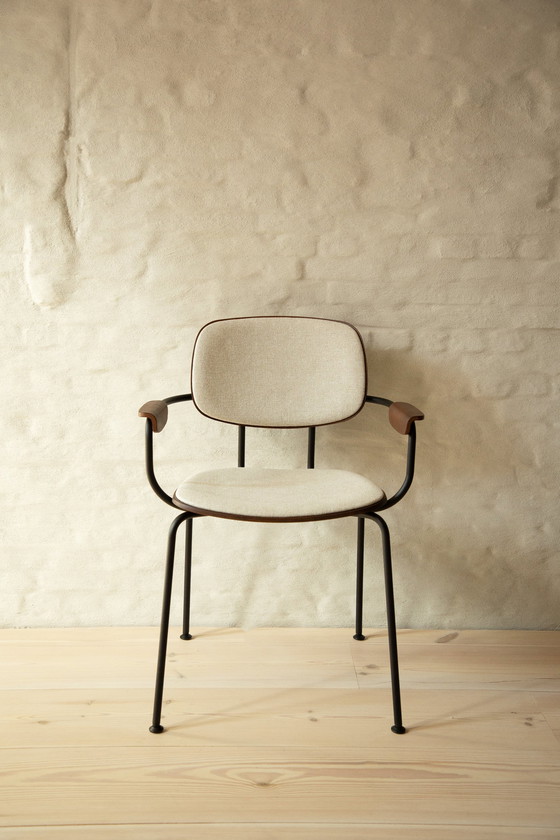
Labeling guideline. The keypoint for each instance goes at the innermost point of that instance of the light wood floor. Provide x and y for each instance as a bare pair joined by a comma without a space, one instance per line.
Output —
279,733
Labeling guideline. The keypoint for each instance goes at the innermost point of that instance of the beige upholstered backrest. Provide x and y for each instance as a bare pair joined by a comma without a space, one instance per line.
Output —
278,371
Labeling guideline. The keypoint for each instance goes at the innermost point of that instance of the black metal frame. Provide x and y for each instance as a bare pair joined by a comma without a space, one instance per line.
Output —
371,513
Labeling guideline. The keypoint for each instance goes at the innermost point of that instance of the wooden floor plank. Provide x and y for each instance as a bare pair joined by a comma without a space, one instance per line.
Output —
515,638
535,668
292,635
292,702
289,831
126,723
213,663
223,715
75,786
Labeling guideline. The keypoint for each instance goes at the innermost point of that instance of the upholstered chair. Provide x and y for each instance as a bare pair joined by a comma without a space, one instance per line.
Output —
279,372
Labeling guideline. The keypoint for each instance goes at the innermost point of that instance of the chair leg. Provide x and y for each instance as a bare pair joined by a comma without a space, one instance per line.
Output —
391,625
187,582
156,726
360,580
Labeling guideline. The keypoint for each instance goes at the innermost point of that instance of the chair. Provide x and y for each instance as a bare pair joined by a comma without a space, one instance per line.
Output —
279,372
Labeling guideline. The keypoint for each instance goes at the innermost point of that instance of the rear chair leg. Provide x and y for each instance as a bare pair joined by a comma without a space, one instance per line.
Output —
360,580
156,726
187,583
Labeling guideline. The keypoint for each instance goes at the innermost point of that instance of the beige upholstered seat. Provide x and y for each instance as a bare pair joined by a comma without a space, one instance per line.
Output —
273,495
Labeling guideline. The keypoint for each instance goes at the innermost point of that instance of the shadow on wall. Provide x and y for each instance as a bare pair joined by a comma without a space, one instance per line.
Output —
463,534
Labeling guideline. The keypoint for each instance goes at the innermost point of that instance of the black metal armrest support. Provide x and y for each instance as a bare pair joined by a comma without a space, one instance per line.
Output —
155,413
402,417
410,456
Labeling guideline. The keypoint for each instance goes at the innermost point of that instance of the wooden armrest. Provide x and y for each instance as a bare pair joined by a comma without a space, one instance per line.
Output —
403,415
156,411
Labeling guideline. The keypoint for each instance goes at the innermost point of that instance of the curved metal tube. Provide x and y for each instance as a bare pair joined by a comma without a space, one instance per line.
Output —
159,491
154,484
379,400
178,398
410,458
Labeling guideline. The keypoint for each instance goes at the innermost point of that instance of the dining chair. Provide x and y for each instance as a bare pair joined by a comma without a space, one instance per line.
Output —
282,372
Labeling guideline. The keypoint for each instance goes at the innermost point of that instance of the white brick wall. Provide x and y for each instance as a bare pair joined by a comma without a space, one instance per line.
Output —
389,163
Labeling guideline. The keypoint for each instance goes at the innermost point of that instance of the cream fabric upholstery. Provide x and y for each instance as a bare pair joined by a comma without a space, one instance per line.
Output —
278,371
276,494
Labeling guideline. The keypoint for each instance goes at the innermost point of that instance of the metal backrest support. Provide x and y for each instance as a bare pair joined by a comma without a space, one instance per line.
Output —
279,372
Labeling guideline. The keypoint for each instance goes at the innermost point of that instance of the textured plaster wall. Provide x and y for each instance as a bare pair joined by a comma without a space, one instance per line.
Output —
386,162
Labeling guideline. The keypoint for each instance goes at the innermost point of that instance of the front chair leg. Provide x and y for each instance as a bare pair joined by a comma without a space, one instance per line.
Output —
187,582
156,726
391,625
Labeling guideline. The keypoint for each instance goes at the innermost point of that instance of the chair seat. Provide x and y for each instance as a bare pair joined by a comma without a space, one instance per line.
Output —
276,495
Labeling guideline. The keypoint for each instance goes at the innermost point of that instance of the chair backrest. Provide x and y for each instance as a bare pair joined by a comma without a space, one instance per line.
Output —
278,371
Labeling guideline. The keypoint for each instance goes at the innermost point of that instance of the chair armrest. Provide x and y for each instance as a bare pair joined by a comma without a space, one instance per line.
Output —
156,411
403,415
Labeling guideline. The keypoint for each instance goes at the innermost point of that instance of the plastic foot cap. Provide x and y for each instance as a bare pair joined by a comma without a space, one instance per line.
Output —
400,730
156,729
186,636
359,637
